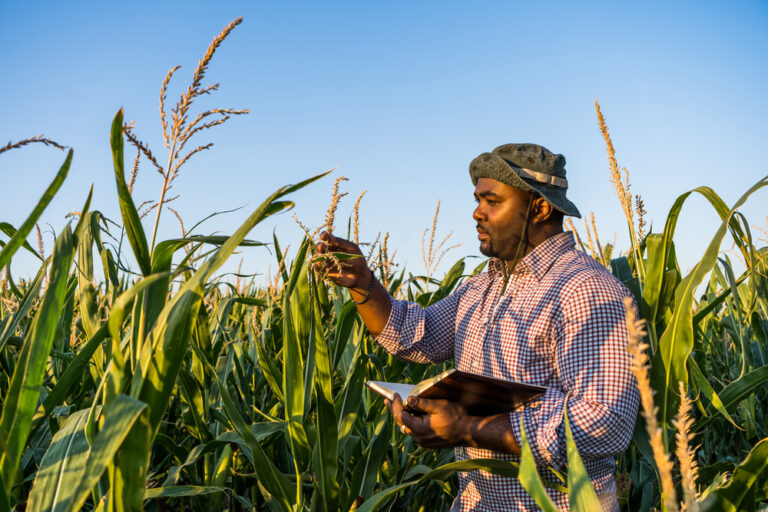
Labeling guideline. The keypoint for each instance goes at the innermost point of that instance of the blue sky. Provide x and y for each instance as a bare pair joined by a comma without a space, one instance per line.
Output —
401,96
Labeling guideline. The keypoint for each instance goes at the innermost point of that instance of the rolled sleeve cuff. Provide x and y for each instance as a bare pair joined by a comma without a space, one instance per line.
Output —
389,337
543,420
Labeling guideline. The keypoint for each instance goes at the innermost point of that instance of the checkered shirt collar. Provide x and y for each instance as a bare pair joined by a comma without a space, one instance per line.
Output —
540,259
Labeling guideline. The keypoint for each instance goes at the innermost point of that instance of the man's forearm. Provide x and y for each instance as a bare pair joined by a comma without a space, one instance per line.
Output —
376,309
492,433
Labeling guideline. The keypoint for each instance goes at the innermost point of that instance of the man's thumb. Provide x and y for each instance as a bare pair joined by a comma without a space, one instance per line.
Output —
422,404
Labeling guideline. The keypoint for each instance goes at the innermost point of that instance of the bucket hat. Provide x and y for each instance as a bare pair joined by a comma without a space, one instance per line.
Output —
529,167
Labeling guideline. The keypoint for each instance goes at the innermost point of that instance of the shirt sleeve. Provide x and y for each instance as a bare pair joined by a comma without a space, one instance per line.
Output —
422,335
593,368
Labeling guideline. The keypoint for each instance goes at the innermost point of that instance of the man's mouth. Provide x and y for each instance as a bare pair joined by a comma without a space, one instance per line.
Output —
481,234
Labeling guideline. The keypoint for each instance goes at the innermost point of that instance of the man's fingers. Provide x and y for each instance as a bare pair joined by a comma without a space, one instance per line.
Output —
413,423
403,419
397,409
326,243
425,404
336,244
341,278
328,239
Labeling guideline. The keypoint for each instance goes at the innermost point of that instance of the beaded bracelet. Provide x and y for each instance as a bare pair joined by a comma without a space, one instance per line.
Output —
367,291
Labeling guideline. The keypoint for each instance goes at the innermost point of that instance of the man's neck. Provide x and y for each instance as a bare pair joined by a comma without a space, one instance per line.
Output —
536,238
544,232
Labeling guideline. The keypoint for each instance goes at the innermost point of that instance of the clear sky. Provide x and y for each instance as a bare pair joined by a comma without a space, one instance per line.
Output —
401,96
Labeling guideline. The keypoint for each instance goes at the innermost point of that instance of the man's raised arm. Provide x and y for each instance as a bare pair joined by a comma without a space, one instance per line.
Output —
370,296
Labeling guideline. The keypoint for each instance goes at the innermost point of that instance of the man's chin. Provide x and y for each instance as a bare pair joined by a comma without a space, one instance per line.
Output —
486,249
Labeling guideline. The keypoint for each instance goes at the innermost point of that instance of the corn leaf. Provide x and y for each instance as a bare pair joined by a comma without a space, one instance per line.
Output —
381,497
295,328
347,317
654,276
194,398
325,451
62,467
131,222
279,255
267,366
24,390
528,474
71,467
11,231
181,491
350,398
128,441
581,494
497,467
30,297
85,241
260,431
442,473
729,496
708,391
732,394
365,475
223,466
668,367
661,254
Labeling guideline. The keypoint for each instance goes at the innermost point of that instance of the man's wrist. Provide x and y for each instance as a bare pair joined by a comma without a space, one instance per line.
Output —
489,432
468,429
363,280
364,292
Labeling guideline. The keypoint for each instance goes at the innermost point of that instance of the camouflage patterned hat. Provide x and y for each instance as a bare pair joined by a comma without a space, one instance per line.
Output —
529,167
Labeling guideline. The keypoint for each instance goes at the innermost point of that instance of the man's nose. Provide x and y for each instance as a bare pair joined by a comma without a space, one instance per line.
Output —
478,214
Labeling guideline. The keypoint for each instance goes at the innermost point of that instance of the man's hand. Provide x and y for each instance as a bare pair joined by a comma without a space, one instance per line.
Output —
444,424
447,424
371,298
349,273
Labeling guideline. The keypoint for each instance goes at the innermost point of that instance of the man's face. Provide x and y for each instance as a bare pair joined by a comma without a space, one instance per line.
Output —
500,217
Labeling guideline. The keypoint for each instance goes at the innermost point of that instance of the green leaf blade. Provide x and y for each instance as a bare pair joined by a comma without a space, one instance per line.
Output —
27,379
131,221
581,493
529,475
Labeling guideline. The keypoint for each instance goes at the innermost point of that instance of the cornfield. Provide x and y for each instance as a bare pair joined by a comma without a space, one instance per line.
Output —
166,387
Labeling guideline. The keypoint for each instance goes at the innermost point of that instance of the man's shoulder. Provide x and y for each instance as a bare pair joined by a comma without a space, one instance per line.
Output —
576,273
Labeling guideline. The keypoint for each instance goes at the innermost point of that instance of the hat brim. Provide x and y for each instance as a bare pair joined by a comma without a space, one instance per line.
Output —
494,167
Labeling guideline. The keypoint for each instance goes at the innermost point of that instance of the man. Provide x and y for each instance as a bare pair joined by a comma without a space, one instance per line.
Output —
542,313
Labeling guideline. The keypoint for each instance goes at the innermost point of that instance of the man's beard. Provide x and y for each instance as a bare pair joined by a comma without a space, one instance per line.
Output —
486,249
514,247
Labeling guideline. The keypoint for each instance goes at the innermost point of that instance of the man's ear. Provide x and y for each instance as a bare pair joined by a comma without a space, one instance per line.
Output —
541,209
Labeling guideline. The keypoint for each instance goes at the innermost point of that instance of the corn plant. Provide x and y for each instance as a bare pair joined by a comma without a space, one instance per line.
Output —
690,353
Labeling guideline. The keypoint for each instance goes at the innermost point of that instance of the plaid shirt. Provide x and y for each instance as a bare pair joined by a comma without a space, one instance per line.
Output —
560,323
